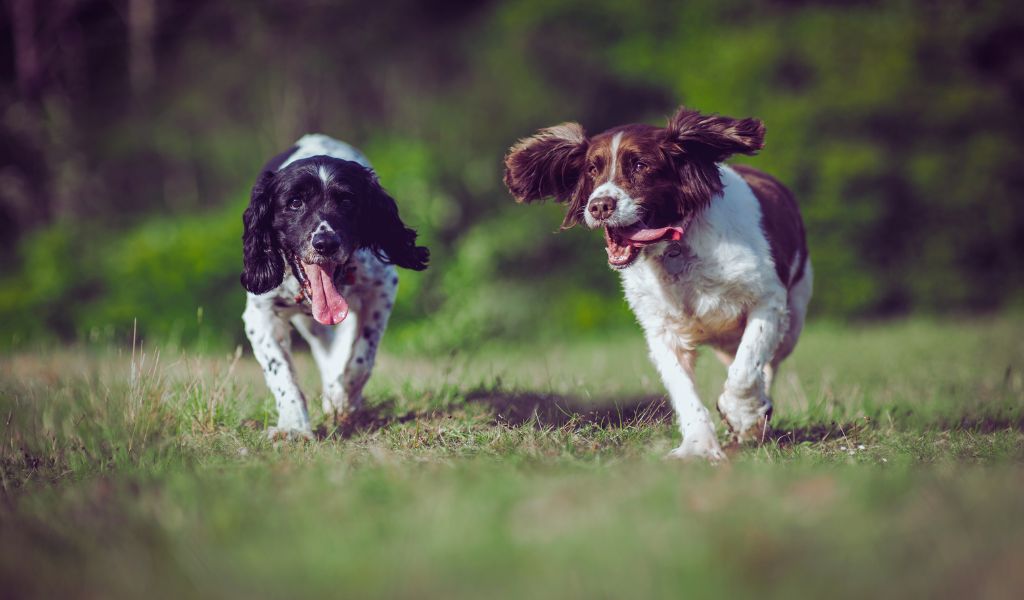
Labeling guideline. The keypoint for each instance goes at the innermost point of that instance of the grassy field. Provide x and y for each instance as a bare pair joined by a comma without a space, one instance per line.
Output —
895,468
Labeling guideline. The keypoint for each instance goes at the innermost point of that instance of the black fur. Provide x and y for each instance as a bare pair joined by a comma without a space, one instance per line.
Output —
264,265
386,234
289,205
277,160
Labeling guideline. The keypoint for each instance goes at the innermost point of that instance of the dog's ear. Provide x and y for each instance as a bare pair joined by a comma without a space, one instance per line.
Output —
550,164
263,264
714,137
694,143
382,230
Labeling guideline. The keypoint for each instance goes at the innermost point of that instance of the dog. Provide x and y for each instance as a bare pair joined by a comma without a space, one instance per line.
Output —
708,254
321,242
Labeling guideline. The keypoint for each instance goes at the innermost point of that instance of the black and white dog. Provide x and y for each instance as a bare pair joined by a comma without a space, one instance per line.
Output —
321,242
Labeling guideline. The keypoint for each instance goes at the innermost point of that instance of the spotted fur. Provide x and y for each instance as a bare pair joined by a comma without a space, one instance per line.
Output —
366,278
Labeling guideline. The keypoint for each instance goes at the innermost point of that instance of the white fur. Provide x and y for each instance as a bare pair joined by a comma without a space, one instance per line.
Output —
794,266
627,211
344,353
317,144
324,174
616,140
729,277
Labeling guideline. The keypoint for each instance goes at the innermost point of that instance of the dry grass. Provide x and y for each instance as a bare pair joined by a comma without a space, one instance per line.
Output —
895,468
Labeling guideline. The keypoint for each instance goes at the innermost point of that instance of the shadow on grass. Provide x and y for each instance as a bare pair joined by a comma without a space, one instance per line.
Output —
514,409
557,411
368,419
816,433
813,433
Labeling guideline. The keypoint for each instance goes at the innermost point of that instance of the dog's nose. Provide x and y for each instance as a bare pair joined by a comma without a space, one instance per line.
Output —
602,208
326,243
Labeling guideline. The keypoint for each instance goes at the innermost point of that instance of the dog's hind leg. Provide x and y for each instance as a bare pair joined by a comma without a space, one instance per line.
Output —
799,297
726,358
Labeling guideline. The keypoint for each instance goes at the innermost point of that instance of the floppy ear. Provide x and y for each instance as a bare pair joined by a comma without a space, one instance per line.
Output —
384,232
264,267
695,143
549,164
713,136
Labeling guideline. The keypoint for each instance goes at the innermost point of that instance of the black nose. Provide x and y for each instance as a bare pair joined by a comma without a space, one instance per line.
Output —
326,243
602,208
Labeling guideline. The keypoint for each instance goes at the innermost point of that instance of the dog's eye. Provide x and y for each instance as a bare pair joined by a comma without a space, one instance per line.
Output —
295,203
592,169
639,167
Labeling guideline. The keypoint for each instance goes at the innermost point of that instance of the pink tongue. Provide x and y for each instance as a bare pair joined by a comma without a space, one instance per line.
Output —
653,235
329,308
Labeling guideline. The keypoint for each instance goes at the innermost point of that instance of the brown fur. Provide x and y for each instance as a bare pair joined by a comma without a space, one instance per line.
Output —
548,164
695,143
670,171
655,186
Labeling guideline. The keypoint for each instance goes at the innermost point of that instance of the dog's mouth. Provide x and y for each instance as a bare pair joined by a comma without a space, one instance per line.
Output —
624,244
329,306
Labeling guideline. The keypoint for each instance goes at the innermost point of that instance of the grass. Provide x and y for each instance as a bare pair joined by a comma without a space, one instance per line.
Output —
895,468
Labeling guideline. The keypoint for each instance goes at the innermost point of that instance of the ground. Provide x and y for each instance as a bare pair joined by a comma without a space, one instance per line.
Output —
895,467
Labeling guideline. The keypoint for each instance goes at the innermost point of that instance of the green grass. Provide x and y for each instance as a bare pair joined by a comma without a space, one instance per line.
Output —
895,468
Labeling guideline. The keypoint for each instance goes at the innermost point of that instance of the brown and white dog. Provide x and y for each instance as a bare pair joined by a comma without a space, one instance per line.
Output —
708,253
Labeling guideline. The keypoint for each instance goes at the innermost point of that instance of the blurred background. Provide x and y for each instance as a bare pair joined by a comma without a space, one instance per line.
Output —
131,131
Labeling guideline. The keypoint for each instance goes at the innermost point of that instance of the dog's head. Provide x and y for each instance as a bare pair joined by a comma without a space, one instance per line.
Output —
641,183
314,214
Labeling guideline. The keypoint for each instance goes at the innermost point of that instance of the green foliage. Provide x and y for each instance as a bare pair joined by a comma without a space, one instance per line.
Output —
896,124
172,276
40,299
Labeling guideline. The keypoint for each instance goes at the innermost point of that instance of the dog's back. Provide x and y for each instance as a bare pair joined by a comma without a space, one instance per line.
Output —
781,222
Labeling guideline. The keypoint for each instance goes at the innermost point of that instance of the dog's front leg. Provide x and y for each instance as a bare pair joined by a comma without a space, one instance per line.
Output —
744,404
346,356
269,335
675,364
361,352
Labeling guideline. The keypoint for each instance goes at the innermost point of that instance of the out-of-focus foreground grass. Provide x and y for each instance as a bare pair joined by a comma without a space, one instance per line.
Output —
896,468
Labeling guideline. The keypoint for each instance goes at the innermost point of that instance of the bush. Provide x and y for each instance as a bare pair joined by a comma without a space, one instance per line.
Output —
896,125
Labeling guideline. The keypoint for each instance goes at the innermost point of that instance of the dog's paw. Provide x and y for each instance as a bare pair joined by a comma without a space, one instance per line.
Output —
699,450
746,418
289,434
339,419
337,405
757,433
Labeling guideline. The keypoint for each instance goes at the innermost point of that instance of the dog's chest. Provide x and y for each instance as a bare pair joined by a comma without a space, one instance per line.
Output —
675,291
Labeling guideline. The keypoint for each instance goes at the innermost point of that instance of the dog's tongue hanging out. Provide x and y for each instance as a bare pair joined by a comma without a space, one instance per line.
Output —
641,236
624,244
329,307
